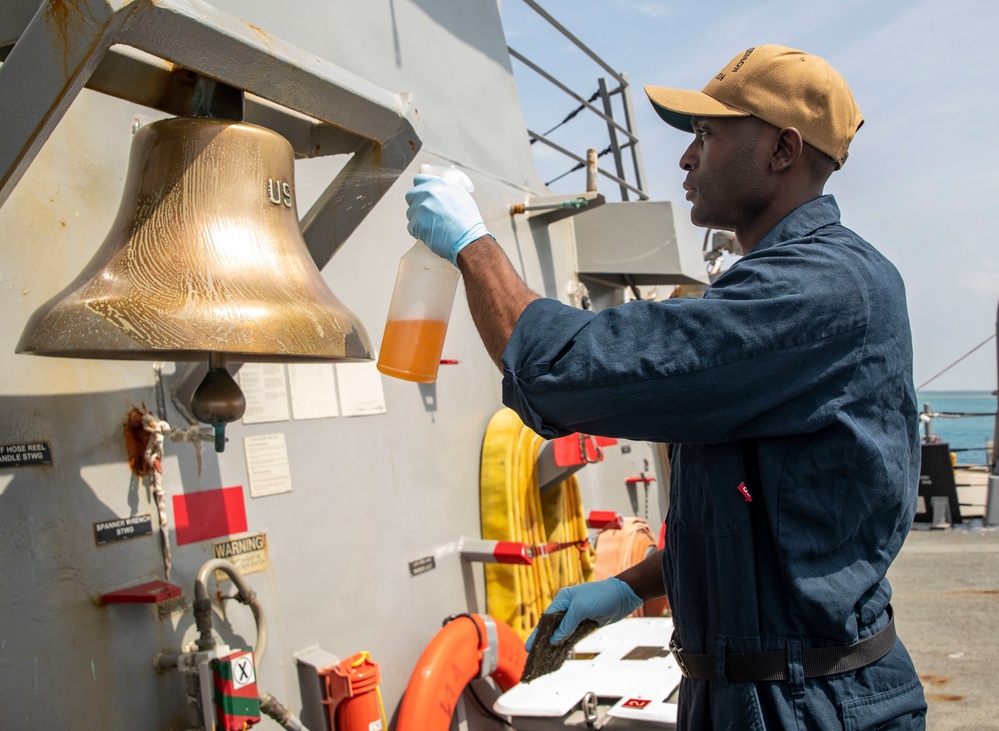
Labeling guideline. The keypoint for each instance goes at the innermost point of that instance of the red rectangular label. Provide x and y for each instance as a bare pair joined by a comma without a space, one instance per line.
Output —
636,703
199,516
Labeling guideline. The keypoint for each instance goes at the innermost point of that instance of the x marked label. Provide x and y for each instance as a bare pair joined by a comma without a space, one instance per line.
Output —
242,671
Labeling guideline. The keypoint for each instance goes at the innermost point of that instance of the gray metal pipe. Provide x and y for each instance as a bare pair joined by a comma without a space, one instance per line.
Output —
245,595
276,710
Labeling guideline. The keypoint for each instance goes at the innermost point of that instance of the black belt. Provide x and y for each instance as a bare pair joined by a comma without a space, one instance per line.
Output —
758,667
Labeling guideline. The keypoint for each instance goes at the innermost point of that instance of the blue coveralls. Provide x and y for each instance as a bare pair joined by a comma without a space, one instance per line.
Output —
803,348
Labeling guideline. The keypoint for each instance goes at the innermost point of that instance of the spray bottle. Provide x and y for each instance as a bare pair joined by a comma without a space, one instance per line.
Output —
421,305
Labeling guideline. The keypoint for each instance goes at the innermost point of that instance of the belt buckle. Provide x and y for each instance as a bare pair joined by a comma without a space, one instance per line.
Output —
675,650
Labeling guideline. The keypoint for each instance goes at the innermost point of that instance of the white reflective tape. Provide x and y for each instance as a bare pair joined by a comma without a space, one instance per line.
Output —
490,656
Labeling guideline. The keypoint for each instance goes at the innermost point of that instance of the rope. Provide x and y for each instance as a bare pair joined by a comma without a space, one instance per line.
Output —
513,509
926,383
192,435
153,456
154,460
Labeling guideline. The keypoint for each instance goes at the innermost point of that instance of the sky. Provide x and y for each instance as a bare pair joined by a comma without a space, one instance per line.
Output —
922,180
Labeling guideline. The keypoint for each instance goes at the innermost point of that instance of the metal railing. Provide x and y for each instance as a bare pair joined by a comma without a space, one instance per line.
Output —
622,135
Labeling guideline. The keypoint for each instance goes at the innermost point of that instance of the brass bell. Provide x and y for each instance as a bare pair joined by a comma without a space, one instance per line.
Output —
205,256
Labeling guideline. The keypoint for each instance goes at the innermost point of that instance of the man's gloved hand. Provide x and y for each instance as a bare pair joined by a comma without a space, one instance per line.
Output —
602,601
443,215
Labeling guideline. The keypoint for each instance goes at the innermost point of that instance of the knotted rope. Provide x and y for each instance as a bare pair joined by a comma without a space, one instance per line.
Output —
154,461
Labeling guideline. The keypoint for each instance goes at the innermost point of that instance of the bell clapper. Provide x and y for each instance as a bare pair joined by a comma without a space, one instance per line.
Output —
218,400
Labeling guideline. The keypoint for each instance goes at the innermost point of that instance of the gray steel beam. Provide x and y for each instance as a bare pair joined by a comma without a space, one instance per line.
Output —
50,63
14,18
612,133
636,153
67,45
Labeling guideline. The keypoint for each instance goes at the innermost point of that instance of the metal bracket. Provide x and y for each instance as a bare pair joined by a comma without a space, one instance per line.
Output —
549,473
556,462
551,208
151,51
492,551
195,667
490,656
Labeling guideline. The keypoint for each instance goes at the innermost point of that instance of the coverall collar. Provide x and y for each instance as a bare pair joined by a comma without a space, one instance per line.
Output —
803,220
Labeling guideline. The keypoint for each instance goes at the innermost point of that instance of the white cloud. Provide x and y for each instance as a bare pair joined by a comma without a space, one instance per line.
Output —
647,8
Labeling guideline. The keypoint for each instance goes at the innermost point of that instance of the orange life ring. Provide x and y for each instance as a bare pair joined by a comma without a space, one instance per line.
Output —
469,646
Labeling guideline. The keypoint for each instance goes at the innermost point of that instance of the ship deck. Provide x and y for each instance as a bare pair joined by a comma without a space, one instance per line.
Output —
946,596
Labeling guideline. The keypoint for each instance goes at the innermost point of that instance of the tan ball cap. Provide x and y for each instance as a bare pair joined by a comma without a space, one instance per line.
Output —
781,86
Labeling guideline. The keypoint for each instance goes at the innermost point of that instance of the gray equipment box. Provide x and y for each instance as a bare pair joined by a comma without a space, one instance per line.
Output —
639,242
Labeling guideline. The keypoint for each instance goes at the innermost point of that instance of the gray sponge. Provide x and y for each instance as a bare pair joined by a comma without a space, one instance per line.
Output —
545,657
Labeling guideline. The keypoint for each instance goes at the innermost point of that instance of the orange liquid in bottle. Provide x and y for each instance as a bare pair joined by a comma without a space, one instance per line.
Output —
411,349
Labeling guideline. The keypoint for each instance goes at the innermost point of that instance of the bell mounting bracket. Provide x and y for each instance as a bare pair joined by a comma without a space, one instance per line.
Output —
152,52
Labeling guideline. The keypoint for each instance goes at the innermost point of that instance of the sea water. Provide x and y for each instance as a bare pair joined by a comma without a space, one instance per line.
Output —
966,435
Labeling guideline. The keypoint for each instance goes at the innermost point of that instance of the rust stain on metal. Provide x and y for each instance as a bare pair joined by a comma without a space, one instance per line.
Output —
66,19
136,439
260,33
947,697
59,12
59,15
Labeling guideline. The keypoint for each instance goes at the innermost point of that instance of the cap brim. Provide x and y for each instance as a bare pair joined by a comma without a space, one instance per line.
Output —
676,106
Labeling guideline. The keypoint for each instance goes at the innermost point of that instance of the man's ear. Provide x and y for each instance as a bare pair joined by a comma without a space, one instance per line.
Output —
788,147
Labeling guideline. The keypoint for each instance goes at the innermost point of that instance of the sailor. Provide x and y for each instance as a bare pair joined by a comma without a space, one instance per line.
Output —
786,390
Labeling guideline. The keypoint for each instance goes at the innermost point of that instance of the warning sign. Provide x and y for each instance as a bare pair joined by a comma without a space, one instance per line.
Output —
248,554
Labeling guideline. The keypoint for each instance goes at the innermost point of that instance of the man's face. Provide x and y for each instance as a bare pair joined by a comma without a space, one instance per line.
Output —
726,167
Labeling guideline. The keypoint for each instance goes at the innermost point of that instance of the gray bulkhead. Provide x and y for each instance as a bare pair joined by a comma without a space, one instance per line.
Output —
369,493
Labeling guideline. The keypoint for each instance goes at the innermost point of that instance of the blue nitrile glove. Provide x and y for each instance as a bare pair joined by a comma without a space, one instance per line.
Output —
603,601
443,215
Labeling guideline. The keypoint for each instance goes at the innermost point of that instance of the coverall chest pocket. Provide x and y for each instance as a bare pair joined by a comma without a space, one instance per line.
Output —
708,495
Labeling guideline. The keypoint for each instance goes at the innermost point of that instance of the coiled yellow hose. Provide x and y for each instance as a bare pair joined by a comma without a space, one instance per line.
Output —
514,510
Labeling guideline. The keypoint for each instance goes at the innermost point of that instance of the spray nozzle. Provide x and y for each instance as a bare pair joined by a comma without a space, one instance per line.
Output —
448,172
